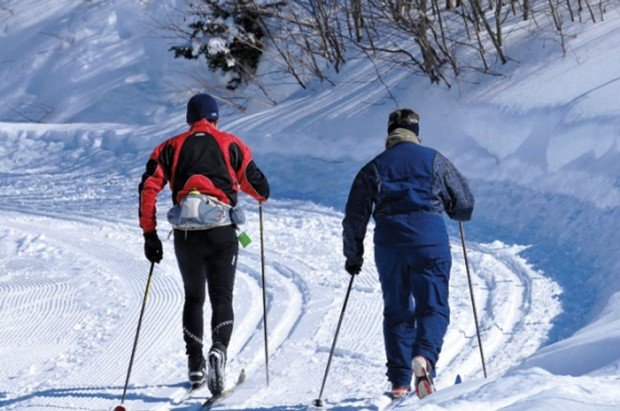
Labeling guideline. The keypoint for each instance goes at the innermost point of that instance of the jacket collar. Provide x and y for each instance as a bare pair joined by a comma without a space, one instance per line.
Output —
401,135
201,125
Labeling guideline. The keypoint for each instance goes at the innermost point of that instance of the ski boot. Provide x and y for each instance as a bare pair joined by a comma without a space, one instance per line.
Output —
197,371
399,392
216,377
423,372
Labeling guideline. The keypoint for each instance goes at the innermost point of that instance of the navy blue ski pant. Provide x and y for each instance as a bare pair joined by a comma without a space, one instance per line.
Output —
416,313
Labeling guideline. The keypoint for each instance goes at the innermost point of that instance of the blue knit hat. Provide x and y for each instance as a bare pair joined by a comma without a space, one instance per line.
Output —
202,106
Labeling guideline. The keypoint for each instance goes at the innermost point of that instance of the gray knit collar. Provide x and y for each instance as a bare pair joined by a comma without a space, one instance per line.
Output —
401,135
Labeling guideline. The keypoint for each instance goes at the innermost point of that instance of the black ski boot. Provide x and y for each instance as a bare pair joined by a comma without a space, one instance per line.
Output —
197,371
216,377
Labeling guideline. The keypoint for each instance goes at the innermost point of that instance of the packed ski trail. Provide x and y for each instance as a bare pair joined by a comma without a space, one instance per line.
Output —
539,144
71,297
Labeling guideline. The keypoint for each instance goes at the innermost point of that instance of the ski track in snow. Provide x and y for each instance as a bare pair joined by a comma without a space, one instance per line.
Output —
71,290
72,272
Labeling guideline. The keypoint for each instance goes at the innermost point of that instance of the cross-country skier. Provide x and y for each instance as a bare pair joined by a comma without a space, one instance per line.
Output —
209,167
406,189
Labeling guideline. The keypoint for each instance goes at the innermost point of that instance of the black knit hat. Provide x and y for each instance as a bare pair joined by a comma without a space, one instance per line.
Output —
404,118
202,106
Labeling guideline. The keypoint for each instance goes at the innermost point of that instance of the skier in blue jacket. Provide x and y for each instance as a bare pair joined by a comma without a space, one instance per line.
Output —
406,189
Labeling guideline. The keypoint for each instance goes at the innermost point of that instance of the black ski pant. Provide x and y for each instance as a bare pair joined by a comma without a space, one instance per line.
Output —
207,257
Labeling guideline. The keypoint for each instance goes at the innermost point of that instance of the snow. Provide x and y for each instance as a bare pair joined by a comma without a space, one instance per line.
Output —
85,292
533,389
540,145
593,348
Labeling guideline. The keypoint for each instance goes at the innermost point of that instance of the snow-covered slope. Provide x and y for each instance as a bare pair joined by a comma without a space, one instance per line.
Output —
70,305
540,145
92,61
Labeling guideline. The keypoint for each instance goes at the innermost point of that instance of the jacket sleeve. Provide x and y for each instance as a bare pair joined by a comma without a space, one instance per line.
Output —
250,177
453,189
153,181
359,208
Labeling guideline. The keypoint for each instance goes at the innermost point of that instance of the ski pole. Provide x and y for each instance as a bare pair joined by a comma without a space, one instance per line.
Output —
473,302
135,341
262,266
318,402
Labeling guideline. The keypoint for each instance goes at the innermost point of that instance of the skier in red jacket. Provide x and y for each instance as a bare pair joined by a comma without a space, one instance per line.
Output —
210,167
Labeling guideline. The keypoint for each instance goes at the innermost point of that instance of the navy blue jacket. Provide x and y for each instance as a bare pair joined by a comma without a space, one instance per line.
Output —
406,189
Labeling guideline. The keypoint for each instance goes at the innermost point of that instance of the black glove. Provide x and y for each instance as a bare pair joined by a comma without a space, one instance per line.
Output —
153,249
353,268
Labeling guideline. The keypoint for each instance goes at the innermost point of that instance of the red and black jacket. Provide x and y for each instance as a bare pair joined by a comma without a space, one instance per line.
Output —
204,159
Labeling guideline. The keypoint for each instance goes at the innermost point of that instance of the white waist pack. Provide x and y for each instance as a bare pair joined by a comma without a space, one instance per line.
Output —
199,212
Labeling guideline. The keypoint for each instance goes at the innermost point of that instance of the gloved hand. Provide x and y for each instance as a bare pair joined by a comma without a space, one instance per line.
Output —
353,268
153,249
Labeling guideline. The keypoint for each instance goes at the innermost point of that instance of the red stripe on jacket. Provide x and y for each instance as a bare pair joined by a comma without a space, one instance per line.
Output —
154,182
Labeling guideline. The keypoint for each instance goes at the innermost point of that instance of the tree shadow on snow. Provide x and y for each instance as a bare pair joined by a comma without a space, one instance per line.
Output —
347,404
113,394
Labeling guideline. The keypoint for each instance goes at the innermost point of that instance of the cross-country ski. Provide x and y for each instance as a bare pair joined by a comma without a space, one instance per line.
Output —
187,393
215,399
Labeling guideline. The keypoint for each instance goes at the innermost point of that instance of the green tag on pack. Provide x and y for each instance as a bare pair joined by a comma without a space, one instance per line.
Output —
244,239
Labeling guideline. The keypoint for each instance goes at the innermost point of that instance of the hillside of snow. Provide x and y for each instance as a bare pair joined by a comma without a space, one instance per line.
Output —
540,145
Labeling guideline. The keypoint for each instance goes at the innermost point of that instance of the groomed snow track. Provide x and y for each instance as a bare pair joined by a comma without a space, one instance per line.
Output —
71,290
